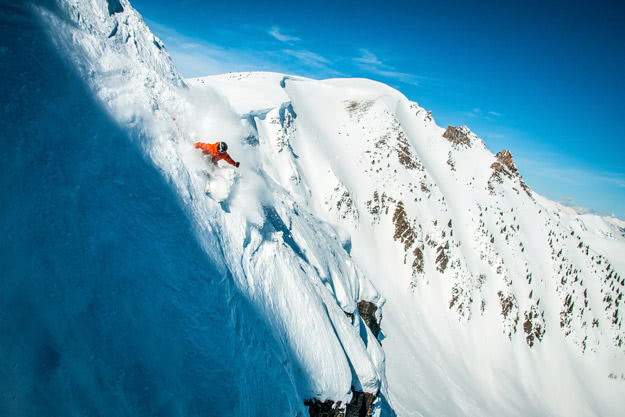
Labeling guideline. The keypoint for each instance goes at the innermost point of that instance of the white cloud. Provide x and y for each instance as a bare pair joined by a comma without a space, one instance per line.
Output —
190,45
402,77
477,112
275,32
307,57
305,60
369,62
195,57
471,114
368,58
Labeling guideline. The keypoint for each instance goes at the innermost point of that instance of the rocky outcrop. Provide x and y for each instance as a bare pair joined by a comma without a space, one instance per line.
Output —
367,311
504,167
405,228
379,205
534,325
404,231
418,263
442,257
361,405
505,164
458,135
358,109
341,202
326,408
405,154
509,312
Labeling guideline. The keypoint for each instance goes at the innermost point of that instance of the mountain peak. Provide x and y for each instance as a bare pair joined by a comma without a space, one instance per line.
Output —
504,165
459,135
504,158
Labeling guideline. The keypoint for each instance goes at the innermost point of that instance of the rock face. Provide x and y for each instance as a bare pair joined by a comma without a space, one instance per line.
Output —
458,135
326,408
504,165
361,405
367,311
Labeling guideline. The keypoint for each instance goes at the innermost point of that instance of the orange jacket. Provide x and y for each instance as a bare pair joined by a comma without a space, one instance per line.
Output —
211,149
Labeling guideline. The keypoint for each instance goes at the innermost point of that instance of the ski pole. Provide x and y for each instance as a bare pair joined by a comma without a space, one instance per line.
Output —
176,124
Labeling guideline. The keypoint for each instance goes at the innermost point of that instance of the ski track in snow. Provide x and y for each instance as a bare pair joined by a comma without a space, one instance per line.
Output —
494,300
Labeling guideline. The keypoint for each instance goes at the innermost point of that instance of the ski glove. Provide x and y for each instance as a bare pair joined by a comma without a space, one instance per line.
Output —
237,164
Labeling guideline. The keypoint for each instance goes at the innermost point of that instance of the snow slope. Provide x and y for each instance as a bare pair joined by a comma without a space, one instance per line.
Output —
492,299
109,303
498,301
155,292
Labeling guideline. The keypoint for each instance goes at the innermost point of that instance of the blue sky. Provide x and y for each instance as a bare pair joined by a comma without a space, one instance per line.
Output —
544,81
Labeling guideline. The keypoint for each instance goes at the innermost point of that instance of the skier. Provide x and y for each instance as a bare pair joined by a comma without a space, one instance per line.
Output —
217,151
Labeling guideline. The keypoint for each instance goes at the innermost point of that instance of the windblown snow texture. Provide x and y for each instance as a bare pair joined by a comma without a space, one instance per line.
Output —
128,290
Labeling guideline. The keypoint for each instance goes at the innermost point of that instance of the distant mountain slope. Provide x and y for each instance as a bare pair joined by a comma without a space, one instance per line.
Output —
451,236
383,157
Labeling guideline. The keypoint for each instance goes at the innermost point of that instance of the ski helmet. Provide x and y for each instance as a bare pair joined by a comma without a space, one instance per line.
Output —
222,147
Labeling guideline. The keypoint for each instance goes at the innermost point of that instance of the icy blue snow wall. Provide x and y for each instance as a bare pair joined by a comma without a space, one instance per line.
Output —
108,306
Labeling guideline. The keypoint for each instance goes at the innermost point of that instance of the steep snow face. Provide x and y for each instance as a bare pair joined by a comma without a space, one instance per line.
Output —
147,287
109,303
494,300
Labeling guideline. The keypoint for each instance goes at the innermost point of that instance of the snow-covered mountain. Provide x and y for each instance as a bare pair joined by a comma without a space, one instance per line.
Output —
361,254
